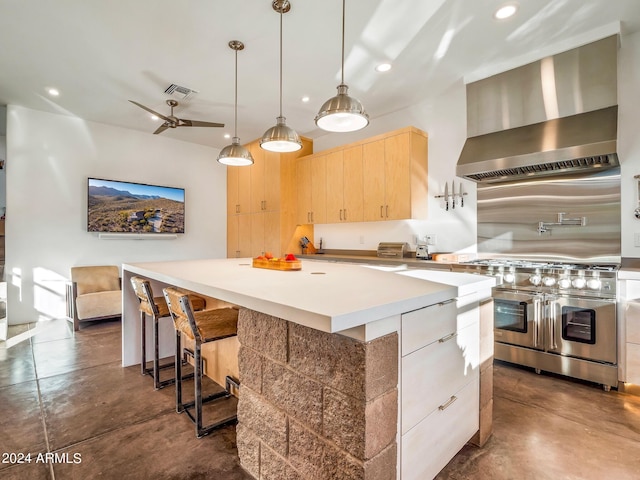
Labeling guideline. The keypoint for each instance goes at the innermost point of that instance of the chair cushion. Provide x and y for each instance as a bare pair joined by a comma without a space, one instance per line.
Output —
96,279
99,304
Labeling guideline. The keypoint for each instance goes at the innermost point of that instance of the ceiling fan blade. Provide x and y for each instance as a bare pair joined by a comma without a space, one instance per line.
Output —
161,128
151,111
198,123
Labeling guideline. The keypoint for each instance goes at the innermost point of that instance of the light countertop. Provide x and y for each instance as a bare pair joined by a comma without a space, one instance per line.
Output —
328,296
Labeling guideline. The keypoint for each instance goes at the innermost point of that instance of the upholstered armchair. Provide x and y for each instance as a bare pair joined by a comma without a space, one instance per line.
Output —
96,293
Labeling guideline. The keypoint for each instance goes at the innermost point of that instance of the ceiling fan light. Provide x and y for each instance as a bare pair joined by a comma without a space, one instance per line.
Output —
281,138
235,155
342,113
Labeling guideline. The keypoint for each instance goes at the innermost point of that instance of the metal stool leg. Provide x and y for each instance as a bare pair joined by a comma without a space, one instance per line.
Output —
143,328
178,379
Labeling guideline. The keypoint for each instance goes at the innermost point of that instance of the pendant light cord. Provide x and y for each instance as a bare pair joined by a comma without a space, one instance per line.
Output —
235,121
343,14
281,61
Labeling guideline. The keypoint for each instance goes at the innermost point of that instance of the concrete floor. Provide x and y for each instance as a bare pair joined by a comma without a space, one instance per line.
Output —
67,394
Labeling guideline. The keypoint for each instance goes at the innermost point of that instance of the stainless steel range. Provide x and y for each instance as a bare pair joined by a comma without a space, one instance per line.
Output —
555,317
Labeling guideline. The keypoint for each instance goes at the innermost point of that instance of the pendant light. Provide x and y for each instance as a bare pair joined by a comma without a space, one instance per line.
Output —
235,154
281,138
342,113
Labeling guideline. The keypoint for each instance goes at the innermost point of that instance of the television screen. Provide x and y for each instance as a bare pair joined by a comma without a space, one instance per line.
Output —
125,207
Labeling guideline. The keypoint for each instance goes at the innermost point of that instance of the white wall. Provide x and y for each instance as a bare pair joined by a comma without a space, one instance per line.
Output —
49,158
444,120
3,156
629,139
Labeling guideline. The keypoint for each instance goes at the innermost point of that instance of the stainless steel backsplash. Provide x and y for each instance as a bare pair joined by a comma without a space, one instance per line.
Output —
509,215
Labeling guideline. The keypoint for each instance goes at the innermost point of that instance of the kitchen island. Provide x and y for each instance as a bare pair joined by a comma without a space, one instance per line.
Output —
346,371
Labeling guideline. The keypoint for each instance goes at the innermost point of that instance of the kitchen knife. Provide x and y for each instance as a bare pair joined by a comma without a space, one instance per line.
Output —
446,196
453,195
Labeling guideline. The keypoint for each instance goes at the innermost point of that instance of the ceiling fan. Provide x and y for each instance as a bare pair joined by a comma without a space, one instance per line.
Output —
172,121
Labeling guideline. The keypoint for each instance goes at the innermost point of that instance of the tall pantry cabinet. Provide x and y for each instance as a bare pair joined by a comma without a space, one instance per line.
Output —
261,202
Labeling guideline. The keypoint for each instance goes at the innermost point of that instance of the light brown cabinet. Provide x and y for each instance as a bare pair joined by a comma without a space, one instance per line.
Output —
239,236
311,175
238,190
395,177
265,179
261,202
345,200
377,179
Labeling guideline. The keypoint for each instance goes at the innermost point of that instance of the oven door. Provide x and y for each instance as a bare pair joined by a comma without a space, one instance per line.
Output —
517,318
582,327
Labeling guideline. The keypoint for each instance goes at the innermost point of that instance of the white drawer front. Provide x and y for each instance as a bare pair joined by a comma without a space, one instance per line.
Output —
426,449
425,326
432,374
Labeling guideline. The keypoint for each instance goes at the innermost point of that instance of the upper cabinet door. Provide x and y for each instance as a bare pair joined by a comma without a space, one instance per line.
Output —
335,187
353,193
373,180
257,177
233,202
303,181
271,181
397,177
319,189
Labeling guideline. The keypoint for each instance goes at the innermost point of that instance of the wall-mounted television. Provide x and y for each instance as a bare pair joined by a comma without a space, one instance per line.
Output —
128,207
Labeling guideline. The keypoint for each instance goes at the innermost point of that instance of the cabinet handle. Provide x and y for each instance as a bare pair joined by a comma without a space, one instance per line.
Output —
309,217
237,253
381,207
238,208
446,338
340,214
448,403
387,215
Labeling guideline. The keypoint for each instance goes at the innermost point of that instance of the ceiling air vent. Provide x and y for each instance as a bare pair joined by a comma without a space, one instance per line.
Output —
179,92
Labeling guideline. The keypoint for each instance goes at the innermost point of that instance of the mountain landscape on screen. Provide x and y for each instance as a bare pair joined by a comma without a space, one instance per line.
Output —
121,207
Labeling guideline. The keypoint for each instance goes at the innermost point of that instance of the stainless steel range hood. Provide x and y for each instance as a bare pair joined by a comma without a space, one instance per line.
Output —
551,117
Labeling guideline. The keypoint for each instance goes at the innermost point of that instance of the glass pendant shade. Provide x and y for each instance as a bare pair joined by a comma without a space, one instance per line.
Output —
281,138
342,113
235,155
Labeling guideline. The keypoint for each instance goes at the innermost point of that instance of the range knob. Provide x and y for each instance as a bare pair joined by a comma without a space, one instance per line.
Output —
564,283
548,281
579,282
509,277
535,279
594,284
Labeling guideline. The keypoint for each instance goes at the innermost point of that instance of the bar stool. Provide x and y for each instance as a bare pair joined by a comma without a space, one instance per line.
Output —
202,327
157,308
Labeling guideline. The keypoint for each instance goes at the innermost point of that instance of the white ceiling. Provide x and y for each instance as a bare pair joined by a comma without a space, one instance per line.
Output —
100,54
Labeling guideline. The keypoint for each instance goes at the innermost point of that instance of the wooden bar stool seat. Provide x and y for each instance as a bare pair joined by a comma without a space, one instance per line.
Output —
201,327
157,308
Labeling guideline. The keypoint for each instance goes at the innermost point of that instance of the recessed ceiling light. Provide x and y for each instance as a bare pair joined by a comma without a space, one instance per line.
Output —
505,11
227,135
305,99
54,92
155,118
383,67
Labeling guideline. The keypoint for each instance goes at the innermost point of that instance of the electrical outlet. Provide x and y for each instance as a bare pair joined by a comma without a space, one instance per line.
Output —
636,239
361,239
430,239
414,239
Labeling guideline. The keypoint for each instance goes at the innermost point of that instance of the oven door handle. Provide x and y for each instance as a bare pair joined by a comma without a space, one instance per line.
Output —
537,315
552,304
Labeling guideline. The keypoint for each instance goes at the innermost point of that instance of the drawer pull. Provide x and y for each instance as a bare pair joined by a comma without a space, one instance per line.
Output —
448,403
446,338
